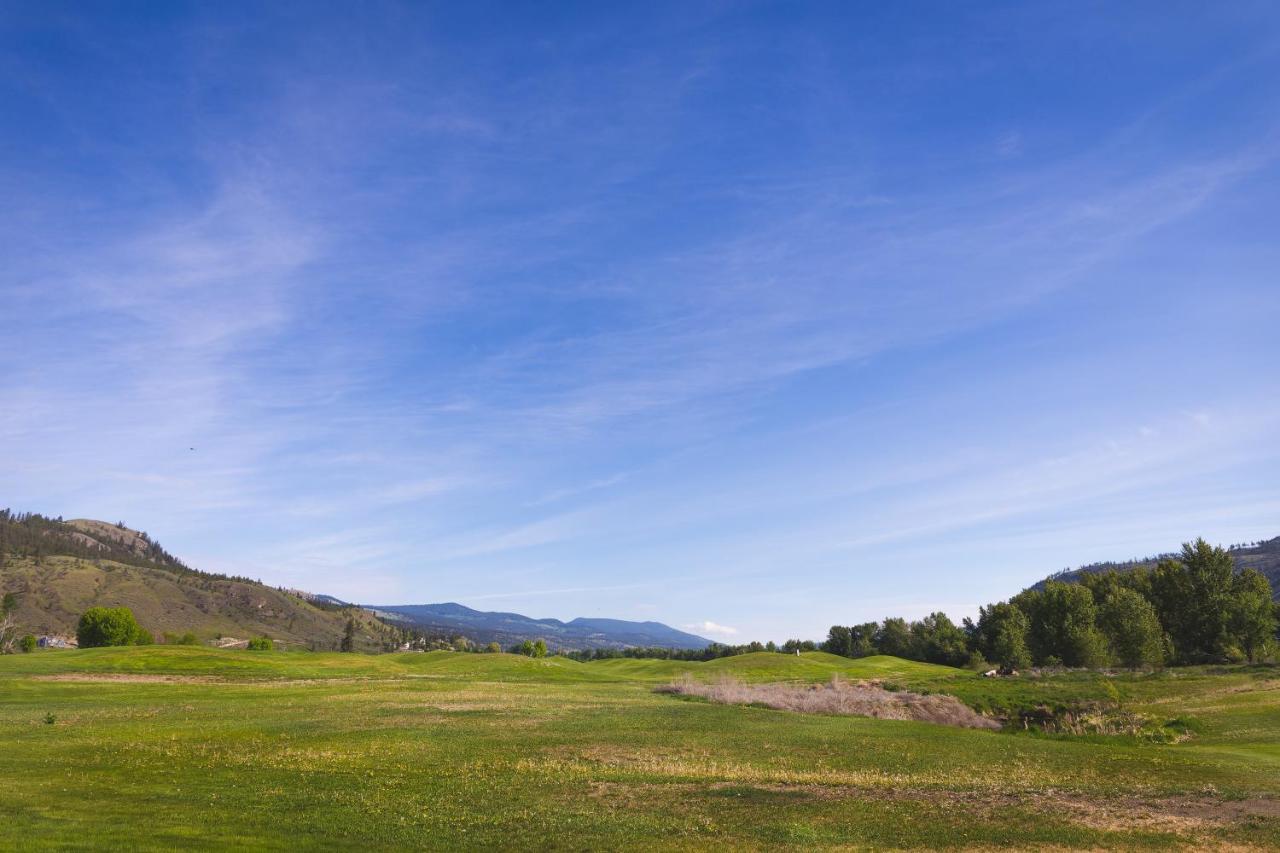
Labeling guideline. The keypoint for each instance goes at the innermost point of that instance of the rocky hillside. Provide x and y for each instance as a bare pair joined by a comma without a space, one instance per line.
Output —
58,569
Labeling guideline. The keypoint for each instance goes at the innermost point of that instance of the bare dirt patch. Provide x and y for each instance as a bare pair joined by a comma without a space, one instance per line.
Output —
129,678
1192,819
863,699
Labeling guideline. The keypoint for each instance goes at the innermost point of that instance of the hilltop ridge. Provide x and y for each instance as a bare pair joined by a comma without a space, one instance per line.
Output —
58,569
505,628
1263,556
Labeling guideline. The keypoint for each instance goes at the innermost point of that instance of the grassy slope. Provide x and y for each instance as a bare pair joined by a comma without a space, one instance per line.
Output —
55,592
443,750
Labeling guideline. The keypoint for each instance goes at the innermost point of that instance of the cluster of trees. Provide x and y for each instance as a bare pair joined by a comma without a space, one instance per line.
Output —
530,648
711,652
110,626
261,644
1195,608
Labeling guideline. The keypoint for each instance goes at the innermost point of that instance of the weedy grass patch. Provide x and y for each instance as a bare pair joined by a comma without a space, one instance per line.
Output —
281,750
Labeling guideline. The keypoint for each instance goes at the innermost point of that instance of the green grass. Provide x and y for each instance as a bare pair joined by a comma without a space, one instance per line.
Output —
286,750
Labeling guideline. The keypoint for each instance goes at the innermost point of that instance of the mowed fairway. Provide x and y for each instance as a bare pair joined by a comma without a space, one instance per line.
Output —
196,748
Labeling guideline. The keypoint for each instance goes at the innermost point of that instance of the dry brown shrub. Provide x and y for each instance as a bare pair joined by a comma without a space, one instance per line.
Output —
863,699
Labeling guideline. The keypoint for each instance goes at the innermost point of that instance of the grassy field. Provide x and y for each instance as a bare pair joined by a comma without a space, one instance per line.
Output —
159,747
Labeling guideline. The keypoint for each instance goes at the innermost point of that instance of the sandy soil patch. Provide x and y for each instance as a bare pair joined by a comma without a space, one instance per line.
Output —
129,678
863,699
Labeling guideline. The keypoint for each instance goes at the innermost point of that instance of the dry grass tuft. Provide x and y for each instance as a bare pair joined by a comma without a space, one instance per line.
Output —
864,699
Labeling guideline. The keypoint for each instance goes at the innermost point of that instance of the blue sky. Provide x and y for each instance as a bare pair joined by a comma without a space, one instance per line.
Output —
749,318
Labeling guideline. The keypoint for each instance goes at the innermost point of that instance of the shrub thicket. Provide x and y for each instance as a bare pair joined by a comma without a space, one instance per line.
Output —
110,626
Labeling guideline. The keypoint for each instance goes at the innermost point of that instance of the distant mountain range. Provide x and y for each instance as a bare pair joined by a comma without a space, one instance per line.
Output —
58,569
1263,556
507,628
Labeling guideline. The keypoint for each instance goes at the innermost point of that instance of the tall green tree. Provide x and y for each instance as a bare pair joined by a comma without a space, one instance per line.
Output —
1132,629
348,643
939,640
1001,635
864,639
894,638
839,641
1063,625
1252,621
1193,597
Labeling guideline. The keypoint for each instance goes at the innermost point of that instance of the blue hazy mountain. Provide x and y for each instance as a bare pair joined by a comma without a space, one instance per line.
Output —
506,628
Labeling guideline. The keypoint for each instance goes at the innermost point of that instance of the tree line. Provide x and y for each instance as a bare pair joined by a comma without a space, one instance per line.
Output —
1193,608
711,652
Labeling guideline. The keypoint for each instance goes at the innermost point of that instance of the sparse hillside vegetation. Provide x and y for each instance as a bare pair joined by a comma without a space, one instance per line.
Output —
56,570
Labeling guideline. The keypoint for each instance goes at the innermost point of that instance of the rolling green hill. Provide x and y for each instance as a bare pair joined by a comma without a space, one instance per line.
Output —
58,569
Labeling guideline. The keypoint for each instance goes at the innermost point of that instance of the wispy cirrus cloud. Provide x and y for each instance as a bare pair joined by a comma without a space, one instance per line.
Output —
464,317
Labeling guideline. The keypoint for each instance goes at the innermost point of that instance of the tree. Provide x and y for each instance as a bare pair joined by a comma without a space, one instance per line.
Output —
1252,621
28,643
938,640
1063,625
894,638
8,626
864,639
1132,630
349,636
493,648
839,641
260,644
1001,635
524,647
109,626
1193,598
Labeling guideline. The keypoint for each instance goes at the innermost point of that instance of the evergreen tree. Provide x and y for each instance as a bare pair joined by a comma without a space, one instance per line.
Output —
348,643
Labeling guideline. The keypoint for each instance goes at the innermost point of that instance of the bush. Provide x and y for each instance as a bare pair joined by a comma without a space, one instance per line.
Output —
110,626
28,643
261,644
